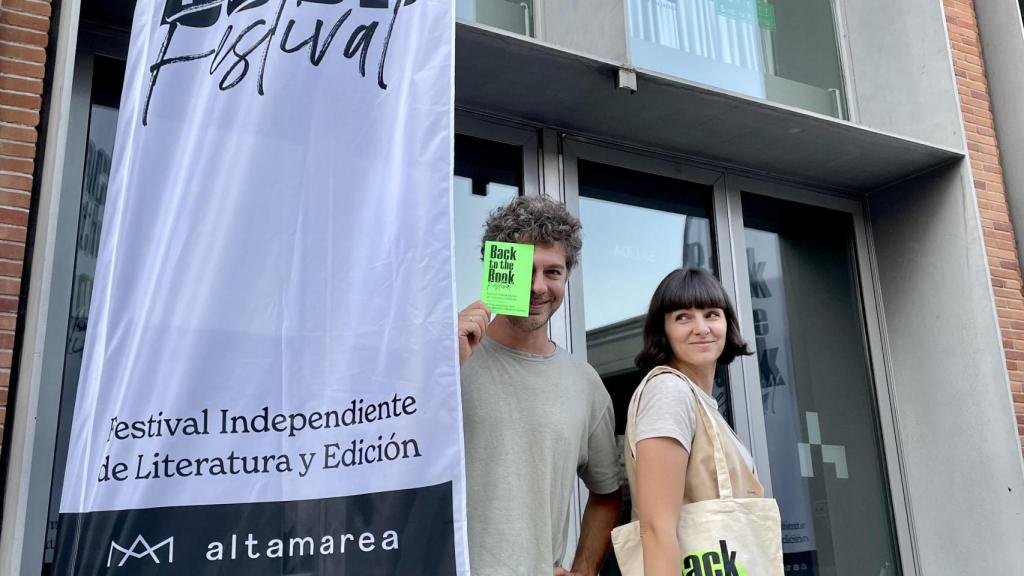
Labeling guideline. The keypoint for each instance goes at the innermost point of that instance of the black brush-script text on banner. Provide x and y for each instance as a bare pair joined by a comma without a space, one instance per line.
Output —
251,34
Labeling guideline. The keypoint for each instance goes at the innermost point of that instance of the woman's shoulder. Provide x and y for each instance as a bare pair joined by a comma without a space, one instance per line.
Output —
666,390
669,383
666,408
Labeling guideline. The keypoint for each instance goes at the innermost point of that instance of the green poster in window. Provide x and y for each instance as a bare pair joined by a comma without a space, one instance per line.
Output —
741,10
507,277
766,15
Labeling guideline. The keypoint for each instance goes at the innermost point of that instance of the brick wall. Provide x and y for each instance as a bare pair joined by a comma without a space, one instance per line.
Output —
983,151
23,38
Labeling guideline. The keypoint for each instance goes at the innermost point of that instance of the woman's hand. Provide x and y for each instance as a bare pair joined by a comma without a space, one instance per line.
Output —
661,479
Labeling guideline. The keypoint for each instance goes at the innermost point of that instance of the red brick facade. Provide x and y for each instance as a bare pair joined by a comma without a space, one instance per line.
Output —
24,26
983,151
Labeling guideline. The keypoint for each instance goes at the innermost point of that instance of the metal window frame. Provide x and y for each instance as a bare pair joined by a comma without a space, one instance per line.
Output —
542,176
843,50
577,148
37,410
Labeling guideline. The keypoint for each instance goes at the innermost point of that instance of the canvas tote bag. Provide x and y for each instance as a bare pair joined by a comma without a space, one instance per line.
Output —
726,536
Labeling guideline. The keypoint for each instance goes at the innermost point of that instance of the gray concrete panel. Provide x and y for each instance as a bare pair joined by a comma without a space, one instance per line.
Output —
901,69
595,27
959,438
521,78
1002,41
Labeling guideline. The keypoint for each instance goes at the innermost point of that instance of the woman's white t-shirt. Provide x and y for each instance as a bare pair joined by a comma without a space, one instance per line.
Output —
667,409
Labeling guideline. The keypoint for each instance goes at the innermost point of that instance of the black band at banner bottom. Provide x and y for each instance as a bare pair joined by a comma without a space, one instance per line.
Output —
400,533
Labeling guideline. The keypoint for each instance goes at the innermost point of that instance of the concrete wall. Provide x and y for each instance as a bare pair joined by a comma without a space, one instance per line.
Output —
900,69
595,27
994,187
959,439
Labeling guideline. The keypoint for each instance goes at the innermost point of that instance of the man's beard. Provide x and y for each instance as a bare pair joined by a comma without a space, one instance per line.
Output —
529,323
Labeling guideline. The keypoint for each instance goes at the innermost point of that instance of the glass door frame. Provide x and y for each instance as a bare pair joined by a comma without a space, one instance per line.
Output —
542,173
873,318
745,421
542,176
29,480
730,252
30,519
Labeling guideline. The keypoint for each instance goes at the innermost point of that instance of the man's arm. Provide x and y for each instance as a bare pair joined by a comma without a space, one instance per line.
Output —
599,517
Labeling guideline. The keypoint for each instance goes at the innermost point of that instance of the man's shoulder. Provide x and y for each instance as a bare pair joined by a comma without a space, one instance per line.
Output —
577,364
586,376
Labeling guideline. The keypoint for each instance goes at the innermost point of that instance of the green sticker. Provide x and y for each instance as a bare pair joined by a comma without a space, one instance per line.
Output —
766,15
508,274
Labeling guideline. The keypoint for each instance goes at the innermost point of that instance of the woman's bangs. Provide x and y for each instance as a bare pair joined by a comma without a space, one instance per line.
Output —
693,289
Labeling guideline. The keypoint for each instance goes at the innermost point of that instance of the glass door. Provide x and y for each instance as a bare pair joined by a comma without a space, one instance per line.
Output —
642,216
813,404
805,310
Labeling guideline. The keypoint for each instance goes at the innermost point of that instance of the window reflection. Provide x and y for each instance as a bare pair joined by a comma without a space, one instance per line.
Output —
785,51
512,15
487,175
637,227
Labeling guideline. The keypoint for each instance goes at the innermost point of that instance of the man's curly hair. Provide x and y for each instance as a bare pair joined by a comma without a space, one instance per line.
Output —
536,220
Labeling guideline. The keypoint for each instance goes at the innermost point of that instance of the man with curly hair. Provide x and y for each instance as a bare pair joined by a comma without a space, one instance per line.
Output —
535,417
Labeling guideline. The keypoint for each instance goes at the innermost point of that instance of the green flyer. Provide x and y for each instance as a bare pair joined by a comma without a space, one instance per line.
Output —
508,274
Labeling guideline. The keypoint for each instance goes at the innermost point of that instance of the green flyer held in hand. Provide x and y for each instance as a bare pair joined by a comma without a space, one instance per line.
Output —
507,277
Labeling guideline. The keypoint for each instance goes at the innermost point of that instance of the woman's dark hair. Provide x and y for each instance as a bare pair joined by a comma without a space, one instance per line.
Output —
681,289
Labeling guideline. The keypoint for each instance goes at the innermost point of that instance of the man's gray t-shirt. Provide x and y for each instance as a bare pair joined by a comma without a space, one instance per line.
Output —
532,423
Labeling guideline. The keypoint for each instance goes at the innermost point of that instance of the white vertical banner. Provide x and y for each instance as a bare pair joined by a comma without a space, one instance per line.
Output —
270,376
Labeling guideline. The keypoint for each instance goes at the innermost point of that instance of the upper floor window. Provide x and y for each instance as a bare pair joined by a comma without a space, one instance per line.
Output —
785,51
512,15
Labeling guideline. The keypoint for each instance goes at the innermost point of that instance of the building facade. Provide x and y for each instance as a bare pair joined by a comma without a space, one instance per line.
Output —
847,168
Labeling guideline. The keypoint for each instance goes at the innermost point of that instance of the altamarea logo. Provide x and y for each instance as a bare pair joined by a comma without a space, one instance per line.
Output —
141,549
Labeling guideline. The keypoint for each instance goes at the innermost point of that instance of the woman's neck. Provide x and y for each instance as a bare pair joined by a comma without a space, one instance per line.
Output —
703,376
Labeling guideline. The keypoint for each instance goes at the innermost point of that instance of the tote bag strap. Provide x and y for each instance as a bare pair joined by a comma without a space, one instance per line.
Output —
705,416
721,467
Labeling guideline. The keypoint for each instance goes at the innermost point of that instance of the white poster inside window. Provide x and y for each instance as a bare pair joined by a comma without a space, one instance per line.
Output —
782,418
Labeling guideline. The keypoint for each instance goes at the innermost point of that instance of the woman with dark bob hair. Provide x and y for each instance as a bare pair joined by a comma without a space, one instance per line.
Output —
690,329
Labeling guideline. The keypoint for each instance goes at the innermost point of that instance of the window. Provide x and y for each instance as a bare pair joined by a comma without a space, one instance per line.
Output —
488,174
806,403
820,413
512,15
637,227
785,51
